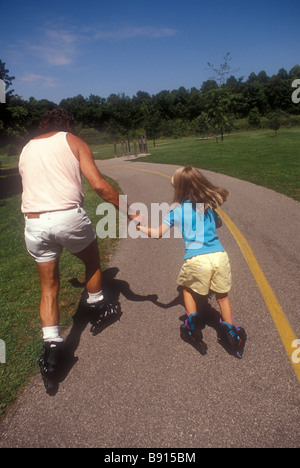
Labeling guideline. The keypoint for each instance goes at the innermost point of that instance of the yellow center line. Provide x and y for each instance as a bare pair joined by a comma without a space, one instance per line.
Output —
281,322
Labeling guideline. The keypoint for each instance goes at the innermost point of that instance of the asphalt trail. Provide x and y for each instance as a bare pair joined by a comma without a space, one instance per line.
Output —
138,384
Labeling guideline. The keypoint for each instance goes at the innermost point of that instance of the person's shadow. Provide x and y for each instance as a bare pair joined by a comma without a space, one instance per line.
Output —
113,288
208,316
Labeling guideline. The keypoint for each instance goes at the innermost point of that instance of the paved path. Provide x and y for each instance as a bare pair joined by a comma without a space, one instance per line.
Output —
138,384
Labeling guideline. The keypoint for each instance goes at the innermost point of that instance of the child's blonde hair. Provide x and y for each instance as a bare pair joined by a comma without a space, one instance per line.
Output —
190,184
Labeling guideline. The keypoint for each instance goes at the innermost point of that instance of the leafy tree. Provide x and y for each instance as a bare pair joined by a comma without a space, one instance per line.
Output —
295,72
254,118
175,113
219,111
4,75
254,96
5,116
202,123
262,77
208,85
151,120
15,128
274,122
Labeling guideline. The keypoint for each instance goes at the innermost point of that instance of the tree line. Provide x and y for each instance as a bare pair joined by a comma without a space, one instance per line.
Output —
221,104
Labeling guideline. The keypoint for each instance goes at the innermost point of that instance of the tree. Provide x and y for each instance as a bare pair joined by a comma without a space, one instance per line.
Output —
262,77
274,123
122,117
202,123
208,85
151,120
5,115
219,111
224,70
295,72
4,75
254,96
254,118
15,128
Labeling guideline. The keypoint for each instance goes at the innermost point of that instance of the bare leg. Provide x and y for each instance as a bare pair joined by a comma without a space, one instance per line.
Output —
91,258
189,301
50,284
193,301
224,304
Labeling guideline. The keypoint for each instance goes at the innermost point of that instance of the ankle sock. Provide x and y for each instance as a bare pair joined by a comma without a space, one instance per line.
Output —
52,334
94,297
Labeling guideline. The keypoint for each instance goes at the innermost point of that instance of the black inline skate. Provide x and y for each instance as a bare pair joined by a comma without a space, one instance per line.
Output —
103,314
233,338
49,363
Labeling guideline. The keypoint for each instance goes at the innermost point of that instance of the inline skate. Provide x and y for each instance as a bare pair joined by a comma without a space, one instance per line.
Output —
102,314
233,338
49,363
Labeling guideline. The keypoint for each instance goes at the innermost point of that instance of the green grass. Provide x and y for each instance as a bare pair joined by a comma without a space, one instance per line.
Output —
20,290
258,156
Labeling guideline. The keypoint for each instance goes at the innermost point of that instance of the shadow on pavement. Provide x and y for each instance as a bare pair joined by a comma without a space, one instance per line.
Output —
82,318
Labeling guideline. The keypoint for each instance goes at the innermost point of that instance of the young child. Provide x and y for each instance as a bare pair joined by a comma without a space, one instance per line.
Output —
206,267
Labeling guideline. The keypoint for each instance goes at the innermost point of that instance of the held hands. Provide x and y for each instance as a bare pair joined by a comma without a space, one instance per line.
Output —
138,218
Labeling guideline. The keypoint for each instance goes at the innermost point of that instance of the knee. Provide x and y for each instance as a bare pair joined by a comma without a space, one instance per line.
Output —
221,296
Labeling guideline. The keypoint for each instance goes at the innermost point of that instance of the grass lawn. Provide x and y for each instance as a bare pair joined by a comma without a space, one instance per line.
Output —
20,290
258,156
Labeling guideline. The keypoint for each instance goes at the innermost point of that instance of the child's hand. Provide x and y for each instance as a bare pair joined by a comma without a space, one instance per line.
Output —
138,218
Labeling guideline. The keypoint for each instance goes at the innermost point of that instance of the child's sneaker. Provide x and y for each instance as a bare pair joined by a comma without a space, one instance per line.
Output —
235,338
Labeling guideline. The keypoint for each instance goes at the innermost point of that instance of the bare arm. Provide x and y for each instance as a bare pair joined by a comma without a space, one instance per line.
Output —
155,233
90,171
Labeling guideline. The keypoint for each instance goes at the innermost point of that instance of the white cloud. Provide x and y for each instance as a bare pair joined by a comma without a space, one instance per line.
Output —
131,33
60,46
39,80
54,46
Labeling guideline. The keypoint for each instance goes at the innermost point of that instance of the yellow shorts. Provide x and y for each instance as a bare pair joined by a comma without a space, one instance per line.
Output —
206,272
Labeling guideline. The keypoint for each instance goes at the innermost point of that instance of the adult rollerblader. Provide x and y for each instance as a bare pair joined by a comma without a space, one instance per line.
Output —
52,202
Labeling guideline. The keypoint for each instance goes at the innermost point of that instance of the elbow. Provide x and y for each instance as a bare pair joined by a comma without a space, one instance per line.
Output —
100,188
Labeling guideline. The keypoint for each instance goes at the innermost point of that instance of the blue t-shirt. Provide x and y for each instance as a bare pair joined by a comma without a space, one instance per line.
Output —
198,228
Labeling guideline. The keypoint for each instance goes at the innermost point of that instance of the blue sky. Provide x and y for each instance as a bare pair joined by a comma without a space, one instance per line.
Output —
59,49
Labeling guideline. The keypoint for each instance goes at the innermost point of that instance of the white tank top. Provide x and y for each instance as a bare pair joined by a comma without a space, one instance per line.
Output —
51,175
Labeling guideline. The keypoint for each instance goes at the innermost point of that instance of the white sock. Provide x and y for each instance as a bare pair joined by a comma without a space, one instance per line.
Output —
52,334
97,297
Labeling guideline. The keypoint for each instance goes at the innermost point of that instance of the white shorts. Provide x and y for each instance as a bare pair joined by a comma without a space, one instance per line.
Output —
46,236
